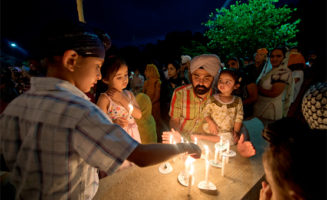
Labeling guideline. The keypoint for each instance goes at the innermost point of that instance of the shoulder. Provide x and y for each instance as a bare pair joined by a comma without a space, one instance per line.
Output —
184,88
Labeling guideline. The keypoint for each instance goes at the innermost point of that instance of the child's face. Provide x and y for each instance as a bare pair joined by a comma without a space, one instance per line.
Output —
87,72
120,80
226,84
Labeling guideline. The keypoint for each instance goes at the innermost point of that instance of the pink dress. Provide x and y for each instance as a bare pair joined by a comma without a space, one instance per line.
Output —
115,111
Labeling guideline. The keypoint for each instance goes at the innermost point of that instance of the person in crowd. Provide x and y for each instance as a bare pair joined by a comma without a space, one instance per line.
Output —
168,87
7,88
152,87
119,104
247,90
185,68
314,106
53,139
296,63
260,66
146,124
288,175
137,81
188,102
224,115
275,89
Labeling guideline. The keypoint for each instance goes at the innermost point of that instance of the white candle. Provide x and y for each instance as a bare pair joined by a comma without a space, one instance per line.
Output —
228,146
216,154
207,171
189,160
182,140
207,152
223,167
190,179
220,140
171,139
195,140
131,108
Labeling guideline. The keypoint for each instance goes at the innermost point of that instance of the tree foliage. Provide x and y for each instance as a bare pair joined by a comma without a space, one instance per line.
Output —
245,27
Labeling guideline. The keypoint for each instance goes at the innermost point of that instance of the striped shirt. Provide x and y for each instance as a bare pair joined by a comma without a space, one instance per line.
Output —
188,108
53,139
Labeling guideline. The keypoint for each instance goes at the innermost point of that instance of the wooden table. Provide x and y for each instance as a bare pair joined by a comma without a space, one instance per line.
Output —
241,175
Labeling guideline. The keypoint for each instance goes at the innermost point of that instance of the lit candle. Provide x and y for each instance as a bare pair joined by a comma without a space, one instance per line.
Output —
189,160
207,152
190,179
207,172
216,154
182,140
220,147
228,146
131,108
227,151
223,167
195,140
207,163
171,139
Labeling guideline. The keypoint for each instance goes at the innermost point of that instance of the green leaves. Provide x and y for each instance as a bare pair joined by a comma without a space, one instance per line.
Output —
245,27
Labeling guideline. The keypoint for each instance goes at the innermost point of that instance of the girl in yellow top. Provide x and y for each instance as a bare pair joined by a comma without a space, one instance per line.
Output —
224,115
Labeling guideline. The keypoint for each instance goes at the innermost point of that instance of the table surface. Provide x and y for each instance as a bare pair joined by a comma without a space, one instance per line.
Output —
241,174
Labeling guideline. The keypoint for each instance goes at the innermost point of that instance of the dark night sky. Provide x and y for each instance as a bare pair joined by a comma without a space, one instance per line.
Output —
128,22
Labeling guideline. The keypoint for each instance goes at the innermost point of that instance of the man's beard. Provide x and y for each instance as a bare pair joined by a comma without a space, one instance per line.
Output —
201,89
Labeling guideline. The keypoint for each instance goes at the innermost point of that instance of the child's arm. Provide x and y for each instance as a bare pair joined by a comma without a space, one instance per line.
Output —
103,103
213,128
236,131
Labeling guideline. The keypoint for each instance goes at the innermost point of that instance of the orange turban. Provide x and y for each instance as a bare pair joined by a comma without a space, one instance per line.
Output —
262,51
295,58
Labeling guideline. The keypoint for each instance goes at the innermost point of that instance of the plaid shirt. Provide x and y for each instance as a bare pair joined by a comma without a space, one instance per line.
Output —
53,140
188,108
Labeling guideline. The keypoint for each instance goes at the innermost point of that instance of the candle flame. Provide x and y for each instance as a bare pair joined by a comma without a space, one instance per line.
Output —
171,139
191,170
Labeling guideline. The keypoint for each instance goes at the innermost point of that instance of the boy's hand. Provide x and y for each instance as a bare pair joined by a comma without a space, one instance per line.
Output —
121,122
265,192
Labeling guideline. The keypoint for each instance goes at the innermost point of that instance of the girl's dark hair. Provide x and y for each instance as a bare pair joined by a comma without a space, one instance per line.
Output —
175,63
234,73
110,67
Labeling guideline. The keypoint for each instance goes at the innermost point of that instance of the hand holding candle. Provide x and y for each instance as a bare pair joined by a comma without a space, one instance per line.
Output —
131,108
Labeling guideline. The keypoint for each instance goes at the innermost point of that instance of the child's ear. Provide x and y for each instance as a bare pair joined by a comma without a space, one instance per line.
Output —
69,59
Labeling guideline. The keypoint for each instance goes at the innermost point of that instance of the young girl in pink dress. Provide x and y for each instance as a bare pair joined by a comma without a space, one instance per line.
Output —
119,104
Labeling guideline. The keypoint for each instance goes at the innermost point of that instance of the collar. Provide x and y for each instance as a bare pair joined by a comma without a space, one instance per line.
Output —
55,84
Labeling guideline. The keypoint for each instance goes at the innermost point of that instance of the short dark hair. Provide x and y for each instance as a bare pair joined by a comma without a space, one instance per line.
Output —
110,67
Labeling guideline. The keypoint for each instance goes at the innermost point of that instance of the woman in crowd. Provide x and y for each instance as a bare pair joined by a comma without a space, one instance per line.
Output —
275,89
168,87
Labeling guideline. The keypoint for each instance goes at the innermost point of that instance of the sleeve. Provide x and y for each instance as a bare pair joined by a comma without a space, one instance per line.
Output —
101,143
281,76
175,110
207,110
239,111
